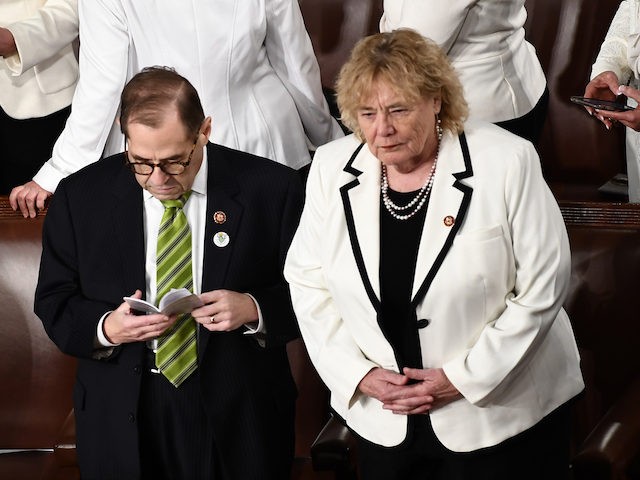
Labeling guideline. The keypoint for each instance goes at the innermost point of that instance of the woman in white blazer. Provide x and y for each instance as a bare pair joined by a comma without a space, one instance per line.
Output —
251,62
428,274
500,72
38,74
616,71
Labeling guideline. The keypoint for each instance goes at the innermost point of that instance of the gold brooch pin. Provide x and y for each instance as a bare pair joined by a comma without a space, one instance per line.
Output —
219,217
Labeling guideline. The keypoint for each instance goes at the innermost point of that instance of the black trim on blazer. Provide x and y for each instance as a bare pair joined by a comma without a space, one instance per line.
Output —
353,237
462,211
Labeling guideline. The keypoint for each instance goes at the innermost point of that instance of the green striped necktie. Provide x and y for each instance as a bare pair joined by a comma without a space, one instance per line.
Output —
176,356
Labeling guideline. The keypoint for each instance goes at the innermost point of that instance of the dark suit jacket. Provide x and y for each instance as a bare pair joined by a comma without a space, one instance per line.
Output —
93,255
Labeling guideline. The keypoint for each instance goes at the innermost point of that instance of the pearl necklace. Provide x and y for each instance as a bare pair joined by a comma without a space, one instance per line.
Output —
422,195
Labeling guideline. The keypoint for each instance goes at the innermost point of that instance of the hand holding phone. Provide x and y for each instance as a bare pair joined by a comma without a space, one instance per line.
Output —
598,104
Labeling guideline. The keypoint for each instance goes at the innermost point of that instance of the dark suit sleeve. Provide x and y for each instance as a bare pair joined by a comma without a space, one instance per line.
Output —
275,301
70,318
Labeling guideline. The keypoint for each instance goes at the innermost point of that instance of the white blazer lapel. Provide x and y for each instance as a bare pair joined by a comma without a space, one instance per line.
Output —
361,206
446,210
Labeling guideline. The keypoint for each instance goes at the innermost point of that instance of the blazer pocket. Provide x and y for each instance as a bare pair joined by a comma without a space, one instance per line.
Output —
484,259
481,235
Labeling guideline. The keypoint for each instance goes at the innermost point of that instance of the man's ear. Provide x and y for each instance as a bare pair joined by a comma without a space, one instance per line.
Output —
205,129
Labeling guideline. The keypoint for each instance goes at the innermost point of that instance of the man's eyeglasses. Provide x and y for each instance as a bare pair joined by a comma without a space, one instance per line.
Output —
170,168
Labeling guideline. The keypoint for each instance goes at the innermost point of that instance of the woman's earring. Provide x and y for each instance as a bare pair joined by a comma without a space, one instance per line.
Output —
438,127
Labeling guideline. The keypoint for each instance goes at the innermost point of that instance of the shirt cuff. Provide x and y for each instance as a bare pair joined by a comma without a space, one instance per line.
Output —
48,177
101,338
255,327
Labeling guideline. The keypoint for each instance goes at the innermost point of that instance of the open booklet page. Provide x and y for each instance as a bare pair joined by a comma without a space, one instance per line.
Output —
176,301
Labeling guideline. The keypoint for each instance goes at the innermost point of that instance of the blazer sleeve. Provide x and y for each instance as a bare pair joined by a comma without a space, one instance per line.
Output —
69,318
43,35
613,54
104,57
540,249
331,347
292,57
442,23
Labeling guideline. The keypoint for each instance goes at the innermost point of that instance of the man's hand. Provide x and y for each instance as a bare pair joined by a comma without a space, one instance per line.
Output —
30,198
7,43
123,326
225,310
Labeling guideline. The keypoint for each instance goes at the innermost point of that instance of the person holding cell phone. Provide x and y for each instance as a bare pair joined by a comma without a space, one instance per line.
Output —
616,72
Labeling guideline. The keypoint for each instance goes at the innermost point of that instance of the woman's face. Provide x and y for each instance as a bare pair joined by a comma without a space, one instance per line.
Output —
400,133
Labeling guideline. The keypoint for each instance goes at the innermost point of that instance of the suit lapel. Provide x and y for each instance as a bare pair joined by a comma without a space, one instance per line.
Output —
222,189
362,213
449,203
447,208
127,218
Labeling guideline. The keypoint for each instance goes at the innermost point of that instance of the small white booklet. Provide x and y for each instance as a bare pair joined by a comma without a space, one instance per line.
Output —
176,301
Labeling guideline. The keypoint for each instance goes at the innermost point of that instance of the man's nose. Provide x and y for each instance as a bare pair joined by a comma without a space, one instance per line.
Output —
158,176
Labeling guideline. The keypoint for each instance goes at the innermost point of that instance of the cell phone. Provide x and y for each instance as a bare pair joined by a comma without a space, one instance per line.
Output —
601,104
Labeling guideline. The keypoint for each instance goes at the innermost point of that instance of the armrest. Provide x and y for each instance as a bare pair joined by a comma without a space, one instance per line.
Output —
334,448
614,443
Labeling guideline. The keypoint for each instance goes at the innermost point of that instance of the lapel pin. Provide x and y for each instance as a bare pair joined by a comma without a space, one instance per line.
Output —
449,221
219,217
221,239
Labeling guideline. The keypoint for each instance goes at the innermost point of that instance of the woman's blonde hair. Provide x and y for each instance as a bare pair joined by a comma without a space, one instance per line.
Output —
415,67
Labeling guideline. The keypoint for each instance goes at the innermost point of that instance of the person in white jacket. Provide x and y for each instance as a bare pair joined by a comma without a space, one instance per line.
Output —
616,72
500,72
251,62
428,274
38,74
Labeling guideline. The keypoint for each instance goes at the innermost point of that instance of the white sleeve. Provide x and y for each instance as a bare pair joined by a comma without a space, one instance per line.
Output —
291,55
40,37
613,55
440,21
331,347
104,56
540,248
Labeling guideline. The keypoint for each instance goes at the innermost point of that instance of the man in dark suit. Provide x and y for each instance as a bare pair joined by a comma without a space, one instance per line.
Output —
232,417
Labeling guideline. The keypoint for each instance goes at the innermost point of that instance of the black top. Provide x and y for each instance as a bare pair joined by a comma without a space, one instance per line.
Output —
399,241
